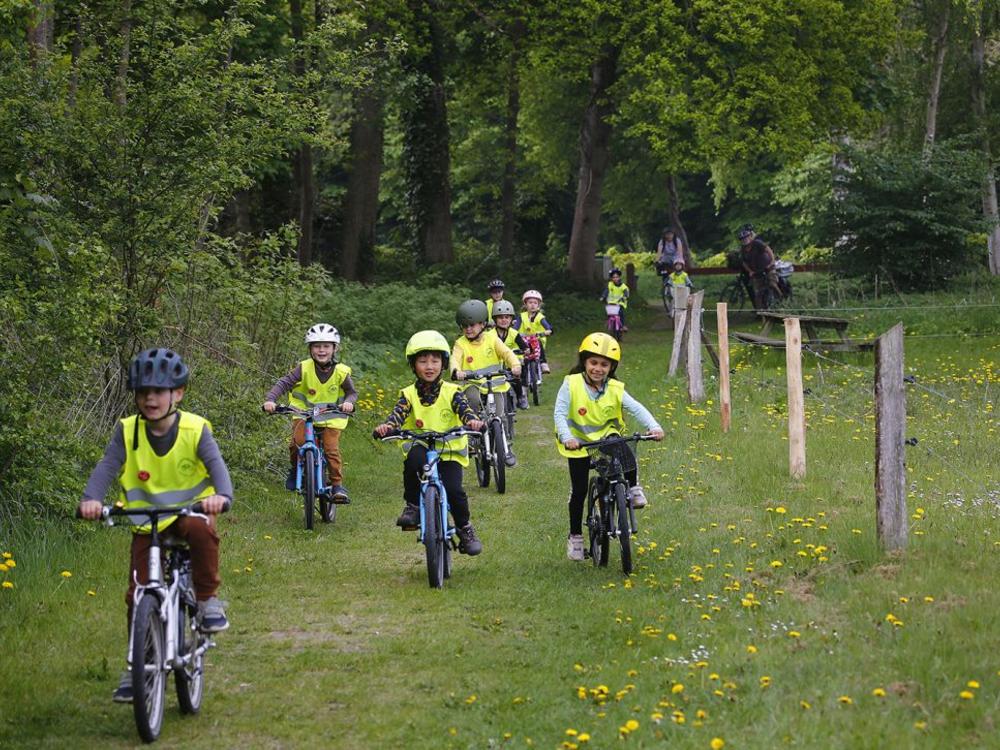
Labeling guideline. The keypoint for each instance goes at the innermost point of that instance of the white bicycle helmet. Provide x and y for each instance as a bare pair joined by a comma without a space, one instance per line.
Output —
531,293
323,333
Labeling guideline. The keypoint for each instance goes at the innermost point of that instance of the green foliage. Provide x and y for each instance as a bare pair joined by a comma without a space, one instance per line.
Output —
907,218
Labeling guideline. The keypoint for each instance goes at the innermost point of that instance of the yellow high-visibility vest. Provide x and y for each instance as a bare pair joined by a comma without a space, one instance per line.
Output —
481,359
310,392
438,417
618,294
174,479
592,419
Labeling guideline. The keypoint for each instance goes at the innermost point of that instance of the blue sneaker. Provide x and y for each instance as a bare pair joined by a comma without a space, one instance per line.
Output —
123,693
339,495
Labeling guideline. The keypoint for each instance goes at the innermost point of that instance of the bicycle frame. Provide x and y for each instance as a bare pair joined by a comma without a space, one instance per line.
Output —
309,444
489,413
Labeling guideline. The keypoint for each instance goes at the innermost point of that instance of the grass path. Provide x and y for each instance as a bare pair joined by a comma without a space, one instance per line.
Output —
758,613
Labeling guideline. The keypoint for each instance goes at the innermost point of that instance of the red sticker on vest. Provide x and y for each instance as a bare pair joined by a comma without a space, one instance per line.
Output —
420,423
581,411
143,476
312,391
469,360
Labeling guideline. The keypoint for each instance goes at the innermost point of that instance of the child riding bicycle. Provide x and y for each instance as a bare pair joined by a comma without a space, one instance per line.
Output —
616,293
433,404
533,321
495,288
503,319
588,407
318,381
164,456
479,352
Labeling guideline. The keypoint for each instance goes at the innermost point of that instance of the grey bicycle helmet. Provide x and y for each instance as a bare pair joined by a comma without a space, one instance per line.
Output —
157,368
471,311
503,307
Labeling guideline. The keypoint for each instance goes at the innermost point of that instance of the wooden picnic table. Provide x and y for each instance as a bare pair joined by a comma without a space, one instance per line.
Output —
812,325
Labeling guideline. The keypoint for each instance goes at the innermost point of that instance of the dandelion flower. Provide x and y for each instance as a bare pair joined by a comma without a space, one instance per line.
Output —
91,592
676,689
66,574
632,725
765,681
583,737
966,695
777,564
794,634
571,733
751,649
879,692
7,585
717,743
805,705
846,700
471,699
972,684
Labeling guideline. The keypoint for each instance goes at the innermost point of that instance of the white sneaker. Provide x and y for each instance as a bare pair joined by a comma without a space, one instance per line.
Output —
545,368
637,496
574,547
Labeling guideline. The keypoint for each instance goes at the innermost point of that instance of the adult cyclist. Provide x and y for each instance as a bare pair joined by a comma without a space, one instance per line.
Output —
758,262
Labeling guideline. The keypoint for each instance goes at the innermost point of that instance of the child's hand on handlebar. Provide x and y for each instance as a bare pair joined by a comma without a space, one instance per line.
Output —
269,407
213,504
516,371
347,407
656,434
475,424
572,444
90,509
382,430
459,374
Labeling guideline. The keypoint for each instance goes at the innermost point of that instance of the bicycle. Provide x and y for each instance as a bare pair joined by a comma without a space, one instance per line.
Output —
614,322
437,534
531,371
491,448
164,636
737,292
311,470
609,513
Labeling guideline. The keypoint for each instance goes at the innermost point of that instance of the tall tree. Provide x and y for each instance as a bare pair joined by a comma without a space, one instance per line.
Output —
985,18
303,166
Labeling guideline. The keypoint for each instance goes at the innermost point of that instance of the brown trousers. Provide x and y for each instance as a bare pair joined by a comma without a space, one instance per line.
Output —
328,439
202,540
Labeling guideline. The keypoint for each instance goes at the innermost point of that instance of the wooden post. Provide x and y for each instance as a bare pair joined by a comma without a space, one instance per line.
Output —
630,277
680,327
696,385
722,323
890,439
796,400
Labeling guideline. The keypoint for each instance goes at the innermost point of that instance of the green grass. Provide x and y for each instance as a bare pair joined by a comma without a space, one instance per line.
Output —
337,641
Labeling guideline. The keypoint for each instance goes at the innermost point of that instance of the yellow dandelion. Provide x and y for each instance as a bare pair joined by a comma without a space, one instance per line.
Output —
66,574
751,649
794,634
676,689
846,700
878,692
471,699
583,737
631,725
972,684
7,585
91,592
571,733
717,743
966,695
805,705
765,681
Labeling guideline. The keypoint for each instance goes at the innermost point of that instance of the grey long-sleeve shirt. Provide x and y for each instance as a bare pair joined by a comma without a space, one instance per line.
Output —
639,412
106,472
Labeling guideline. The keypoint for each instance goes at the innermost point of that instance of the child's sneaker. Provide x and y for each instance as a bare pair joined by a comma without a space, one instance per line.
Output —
522,403
123,693
339,495
545,368
409,519
574,547
468,542
290,480
637,496
510,459
212,616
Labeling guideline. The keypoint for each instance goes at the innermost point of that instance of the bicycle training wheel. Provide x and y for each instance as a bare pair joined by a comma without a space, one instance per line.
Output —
596,531
433,538
624,528
498,456
189,679
535,376
309,488
148,676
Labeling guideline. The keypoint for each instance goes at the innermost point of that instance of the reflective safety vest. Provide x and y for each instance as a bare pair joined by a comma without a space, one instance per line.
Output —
680,278
592,419
618,294
481,358
534,327
438,417
174,479
310,392
509,339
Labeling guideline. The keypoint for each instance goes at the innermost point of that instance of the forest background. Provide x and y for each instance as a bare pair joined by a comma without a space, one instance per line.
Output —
214,176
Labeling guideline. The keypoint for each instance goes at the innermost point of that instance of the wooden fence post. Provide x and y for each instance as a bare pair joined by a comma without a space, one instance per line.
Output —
890,439
796,400
696,385
680,327
725,404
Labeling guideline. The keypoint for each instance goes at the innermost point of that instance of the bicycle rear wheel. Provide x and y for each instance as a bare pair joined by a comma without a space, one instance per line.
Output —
535,378
189,679
149,678
433,537
498,456
596,530
309,488
624,528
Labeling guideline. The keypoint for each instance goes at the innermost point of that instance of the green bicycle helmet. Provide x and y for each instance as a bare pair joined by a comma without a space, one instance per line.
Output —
503,307
471,311
428,341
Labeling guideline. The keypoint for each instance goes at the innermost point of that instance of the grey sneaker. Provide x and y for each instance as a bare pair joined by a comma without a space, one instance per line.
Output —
123,693
522,403
574,547
468,542
637,496
510,459
212,616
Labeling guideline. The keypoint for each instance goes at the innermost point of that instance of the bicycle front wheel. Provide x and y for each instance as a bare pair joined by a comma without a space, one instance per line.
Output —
498,456
189,679
309,488
433,537
596,530
535,377
624,528
149,678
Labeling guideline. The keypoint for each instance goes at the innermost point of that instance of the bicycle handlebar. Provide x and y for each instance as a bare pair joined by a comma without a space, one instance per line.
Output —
314,412
154,511
611,439
424,436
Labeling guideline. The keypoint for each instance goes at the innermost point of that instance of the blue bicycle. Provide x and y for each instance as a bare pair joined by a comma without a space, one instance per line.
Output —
310,474
437,534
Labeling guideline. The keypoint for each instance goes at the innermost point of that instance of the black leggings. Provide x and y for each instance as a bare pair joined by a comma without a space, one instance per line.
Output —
579,476
450,473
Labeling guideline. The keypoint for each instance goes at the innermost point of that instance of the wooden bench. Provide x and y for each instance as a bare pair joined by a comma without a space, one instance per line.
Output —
811,326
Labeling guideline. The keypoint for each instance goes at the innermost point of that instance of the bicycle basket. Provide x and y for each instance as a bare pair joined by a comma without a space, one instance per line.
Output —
621,451
612,309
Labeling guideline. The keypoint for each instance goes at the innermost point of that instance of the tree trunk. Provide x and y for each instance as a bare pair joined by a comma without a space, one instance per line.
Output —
979,109
304,158
595,137
121,76
357,254
76,51
41,29
674,209
509,186
934,93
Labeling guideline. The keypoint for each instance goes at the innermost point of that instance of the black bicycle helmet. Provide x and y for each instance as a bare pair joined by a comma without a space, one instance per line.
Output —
614,271
157,368
745,231
495,284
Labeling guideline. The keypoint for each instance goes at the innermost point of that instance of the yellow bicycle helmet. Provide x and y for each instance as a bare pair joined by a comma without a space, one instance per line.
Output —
601,344
428,341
